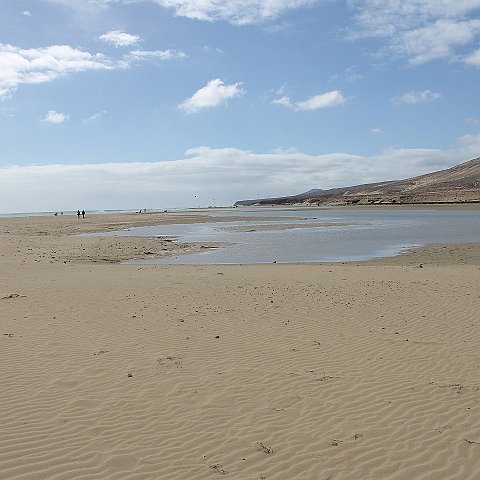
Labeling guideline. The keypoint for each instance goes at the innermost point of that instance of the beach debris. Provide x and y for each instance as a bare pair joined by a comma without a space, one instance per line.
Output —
471,442
100,352
9,335
459,388
325,377
263,448
129,375
444,428
336,443
13,295
217,336
217,467
170,361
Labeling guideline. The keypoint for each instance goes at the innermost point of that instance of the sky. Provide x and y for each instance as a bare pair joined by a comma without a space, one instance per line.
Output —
129,104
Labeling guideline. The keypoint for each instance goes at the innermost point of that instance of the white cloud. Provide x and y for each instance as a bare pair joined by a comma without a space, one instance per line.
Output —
285,101
152,54
376,131
214,93
436,41
227,174
119,38
419,30
55,117
239,12
39,65
471,139
349,75
413,97
94,118
473,58
324,100
27,13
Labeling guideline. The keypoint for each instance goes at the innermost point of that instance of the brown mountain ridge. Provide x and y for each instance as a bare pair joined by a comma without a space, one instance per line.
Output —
458,184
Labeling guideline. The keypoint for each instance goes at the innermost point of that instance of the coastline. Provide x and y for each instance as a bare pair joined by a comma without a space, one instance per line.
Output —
341,371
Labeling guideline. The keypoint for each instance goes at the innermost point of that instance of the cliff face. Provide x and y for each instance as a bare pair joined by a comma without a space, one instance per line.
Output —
458,184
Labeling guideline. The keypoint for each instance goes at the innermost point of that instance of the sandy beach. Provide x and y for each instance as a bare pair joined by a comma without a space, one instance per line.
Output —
321,371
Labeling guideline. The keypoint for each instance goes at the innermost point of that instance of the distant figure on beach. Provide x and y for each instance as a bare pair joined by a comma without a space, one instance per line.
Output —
78,213
83,213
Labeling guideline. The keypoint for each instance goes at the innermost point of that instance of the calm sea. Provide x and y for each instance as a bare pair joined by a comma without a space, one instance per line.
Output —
357,234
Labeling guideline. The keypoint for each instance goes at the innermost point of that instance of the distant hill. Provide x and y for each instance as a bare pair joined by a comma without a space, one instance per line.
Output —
459,184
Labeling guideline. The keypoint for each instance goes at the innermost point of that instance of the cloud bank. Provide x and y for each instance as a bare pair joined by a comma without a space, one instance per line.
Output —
205,174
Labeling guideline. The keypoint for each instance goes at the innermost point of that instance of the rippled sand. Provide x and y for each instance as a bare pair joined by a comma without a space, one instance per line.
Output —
111,371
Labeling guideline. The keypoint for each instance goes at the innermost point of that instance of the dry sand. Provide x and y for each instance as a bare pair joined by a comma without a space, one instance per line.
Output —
339,372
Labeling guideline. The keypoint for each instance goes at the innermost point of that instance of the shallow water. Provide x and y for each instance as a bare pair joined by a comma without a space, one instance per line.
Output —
357,235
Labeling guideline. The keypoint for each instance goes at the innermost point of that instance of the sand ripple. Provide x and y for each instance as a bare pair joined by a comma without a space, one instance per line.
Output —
274,372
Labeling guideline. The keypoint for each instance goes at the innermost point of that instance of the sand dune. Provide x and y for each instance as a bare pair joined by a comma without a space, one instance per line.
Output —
275,371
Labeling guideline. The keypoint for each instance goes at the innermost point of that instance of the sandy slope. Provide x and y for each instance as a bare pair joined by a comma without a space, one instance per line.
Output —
277,372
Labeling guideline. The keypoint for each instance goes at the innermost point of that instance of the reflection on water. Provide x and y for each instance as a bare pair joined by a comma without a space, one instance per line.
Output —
322,235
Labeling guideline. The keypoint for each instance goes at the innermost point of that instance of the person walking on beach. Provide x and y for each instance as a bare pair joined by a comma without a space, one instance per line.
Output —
83,213
78,213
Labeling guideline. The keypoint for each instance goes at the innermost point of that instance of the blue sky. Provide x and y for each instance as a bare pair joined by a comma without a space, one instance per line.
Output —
177,103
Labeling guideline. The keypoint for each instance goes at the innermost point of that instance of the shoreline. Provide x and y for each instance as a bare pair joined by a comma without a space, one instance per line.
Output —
206,210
